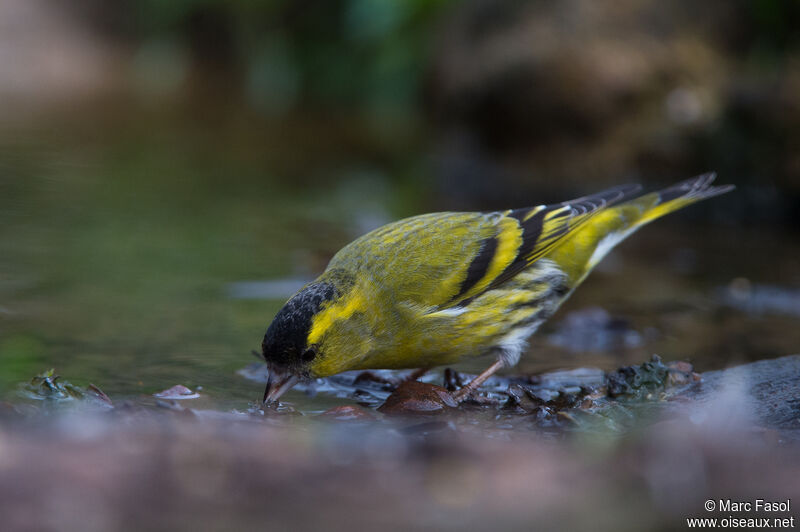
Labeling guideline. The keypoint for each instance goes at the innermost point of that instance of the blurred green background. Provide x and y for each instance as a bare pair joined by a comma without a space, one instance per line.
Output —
156,155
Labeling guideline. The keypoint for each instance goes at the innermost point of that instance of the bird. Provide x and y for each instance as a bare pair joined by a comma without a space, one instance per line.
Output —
440,288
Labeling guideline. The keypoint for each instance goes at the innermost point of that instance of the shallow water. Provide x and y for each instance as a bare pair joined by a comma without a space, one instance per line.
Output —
156,252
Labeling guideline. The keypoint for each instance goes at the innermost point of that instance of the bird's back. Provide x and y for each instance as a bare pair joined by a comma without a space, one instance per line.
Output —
420,259
442,260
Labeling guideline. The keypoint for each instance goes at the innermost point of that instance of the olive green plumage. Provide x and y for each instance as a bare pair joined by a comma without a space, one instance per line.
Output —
436,288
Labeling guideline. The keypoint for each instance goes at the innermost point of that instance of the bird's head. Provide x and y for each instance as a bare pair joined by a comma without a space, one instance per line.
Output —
310,337
285,347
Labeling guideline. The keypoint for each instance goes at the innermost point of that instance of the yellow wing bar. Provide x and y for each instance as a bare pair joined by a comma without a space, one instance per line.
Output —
525,235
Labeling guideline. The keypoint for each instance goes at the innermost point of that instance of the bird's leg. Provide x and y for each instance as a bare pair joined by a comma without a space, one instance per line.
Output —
416,374
473,385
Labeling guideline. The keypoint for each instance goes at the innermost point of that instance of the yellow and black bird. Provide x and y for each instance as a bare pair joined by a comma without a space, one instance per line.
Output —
438,288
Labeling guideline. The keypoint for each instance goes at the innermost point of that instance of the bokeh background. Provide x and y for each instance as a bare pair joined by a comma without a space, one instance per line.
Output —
171,171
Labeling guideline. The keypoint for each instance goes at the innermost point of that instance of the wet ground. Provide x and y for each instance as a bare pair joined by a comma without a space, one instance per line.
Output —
640,448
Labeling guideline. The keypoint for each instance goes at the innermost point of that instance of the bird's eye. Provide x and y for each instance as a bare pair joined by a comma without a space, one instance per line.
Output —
309,355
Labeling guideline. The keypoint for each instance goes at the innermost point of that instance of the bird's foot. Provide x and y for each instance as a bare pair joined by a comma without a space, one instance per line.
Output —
464,393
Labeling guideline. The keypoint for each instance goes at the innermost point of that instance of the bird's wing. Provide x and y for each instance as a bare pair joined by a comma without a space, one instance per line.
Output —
443,260
543,227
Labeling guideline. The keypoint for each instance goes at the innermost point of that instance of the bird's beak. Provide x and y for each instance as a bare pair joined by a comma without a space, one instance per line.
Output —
277,385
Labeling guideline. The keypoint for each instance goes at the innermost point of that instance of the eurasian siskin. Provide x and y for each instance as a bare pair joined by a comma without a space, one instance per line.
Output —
438,288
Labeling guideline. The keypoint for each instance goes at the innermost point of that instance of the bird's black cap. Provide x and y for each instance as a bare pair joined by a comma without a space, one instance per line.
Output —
284,344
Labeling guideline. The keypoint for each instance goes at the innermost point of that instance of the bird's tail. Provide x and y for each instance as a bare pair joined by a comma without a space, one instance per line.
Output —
581,251
657,204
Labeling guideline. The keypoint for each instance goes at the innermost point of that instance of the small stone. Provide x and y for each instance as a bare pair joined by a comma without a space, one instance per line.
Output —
178,391
680,373
413,397
522,399
100,394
